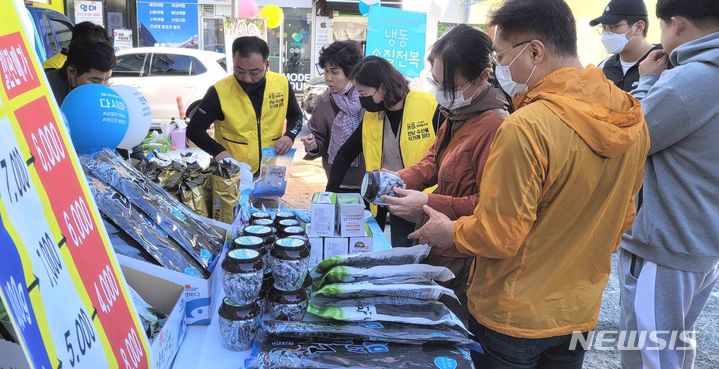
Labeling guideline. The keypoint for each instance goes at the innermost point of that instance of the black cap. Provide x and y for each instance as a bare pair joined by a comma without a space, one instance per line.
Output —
621,9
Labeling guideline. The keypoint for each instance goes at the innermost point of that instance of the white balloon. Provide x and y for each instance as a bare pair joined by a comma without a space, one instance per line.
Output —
140,117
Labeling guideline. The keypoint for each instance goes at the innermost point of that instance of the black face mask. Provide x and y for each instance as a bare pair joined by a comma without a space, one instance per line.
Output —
251,87
368,104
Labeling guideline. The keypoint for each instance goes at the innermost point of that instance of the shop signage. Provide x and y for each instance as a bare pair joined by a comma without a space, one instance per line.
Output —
168,23
122,39
398,36
88,11
59,278
323,37
298,80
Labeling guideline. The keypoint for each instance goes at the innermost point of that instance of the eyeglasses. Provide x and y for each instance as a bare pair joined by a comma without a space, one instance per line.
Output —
495,55
438,85
433,82
613,28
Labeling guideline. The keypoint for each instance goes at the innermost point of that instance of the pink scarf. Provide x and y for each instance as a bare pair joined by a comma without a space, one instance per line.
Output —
346,121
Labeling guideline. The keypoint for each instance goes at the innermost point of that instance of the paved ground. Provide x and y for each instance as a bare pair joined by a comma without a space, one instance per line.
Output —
307,177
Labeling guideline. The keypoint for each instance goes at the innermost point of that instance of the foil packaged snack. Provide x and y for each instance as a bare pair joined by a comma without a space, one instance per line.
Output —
225,181
149,236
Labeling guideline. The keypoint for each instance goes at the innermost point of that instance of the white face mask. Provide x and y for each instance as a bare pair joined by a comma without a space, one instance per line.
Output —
446,102
504,77
615,43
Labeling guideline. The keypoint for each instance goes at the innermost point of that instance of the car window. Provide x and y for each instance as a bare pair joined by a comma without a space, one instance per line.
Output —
197,67
170,65
129,65
63,32
222,62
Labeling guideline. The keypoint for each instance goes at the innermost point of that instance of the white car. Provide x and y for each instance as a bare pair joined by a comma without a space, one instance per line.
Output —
164,73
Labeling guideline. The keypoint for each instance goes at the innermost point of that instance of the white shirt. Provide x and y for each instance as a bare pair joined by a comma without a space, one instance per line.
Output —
626,65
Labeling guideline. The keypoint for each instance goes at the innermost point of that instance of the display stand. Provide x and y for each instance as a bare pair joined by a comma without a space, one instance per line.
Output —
203,347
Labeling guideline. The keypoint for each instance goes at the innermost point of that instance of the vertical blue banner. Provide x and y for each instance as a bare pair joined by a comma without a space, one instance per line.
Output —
168,23
398,36
16,296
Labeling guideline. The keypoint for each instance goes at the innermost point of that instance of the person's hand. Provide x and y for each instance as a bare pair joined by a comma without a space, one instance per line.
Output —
438,232
222,156
310,143
654,64
283,145
408,205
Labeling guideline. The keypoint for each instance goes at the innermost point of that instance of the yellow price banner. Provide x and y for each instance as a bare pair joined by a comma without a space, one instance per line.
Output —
59,276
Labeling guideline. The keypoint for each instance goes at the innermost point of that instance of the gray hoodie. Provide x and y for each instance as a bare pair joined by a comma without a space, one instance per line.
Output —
678,224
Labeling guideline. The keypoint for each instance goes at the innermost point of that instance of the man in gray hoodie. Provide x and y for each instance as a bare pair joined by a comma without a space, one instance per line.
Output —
670,259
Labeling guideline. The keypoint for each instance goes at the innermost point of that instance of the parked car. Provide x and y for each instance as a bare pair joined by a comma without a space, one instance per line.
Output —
54,29
164,73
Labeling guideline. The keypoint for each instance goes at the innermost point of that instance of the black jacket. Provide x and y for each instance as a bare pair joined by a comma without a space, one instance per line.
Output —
612,68
58,83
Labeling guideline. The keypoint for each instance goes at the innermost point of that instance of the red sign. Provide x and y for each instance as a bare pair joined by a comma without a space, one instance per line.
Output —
16,68
57,174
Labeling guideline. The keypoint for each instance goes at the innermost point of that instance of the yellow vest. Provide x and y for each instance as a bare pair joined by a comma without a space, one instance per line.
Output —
55,62
241,133
416,133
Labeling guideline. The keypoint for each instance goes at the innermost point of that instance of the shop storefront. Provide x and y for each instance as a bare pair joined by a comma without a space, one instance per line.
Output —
111,14
291,43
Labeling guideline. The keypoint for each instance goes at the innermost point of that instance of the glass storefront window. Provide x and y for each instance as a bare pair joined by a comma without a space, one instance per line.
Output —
290,47
213,34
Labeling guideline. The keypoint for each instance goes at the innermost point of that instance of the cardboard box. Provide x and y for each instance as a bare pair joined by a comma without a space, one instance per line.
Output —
322,213
316,249
350,215
197,289
168,297
335,246
361,244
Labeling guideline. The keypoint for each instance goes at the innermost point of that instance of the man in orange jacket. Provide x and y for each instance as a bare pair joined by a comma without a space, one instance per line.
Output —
557,193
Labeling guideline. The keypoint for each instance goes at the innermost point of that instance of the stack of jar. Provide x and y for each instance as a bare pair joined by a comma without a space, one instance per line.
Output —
269,262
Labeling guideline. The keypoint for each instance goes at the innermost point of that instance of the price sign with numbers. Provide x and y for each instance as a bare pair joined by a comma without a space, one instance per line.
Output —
58,274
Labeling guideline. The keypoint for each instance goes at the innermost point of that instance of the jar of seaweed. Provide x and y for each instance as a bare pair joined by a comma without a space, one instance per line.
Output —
238,324
307,286
376,184
263,222
291,231
252,243
289,260
283,215
288,305
265,233
284,223
243,270
267,282
259,215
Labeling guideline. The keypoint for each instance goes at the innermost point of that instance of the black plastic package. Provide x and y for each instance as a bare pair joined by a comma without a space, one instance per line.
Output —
292,353
200,241
153,240
410,334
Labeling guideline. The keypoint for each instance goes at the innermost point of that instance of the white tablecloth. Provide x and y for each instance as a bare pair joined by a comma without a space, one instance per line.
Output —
202,347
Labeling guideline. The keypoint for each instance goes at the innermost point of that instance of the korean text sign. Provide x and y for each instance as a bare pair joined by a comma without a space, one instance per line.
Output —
168,23
59,277
398,36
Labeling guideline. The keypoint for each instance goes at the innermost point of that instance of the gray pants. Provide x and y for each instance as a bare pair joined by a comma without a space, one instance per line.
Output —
663,304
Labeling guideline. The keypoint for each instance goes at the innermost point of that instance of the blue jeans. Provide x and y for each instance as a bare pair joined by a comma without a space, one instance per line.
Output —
506,352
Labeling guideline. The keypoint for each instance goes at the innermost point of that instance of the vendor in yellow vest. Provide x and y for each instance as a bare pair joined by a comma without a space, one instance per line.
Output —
249,109
81,31
397,130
